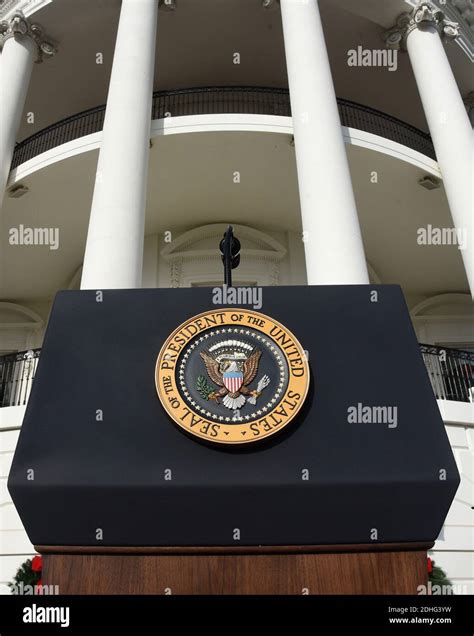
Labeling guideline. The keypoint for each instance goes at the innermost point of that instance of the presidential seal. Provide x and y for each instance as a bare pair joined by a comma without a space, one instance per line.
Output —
232,376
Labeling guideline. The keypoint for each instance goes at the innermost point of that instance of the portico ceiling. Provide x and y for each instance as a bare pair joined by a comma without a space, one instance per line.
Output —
191,184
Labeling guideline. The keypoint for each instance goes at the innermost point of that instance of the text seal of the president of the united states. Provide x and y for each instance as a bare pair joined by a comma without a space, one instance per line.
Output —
232,376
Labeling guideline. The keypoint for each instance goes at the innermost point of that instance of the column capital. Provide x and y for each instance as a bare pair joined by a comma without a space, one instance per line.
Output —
18,27
423,15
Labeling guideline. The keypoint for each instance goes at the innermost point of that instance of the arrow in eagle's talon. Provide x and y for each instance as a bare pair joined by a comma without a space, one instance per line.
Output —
262,383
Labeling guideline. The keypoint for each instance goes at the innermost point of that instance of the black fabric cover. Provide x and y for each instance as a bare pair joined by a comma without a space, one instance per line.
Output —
109,474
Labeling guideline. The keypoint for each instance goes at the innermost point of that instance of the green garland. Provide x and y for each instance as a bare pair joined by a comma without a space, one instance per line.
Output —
437,576
25,575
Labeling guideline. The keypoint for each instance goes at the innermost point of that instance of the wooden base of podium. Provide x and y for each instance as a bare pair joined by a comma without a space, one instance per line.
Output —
351,569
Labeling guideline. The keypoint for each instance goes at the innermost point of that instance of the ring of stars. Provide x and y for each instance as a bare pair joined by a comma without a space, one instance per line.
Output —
269,406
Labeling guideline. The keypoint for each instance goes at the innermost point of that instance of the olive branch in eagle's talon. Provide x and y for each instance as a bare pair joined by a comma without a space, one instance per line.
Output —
205,389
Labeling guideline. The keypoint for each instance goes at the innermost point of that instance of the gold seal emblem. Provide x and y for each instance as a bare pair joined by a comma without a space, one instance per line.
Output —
232,376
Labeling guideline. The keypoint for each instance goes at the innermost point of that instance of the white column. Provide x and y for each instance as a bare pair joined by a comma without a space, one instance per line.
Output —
445,113
450,129
22,45
333,245
114,249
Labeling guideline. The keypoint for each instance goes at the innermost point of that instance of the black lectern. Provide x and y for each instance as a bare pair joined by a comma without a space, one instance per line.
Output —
205,448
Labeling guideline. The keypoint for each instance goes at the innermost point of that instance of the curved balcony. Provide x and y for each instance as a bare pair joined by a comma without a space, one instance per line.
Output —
208,101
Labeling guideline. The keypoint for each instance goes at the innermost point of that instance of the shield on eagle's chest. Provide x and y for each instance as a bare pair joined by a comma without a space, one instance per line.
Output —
233,380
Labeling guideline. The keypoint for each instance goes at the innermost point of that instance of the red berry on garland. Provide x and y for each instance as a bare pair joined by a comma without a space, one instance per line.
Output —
430,565
37,564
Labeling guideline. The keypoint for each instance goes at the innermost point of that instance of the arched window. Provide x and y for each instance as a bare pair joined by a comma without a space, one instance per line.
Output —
20,328
193,258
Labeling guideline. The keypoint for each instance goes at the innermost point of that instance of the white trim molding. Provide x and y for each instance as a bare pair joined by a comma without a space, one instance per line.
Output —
459,413
463,300
445,320
27,7
225,123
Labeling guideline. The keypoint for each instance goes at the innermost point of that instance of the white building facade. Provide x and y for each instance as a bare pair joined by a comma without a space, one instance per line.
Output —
336,137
